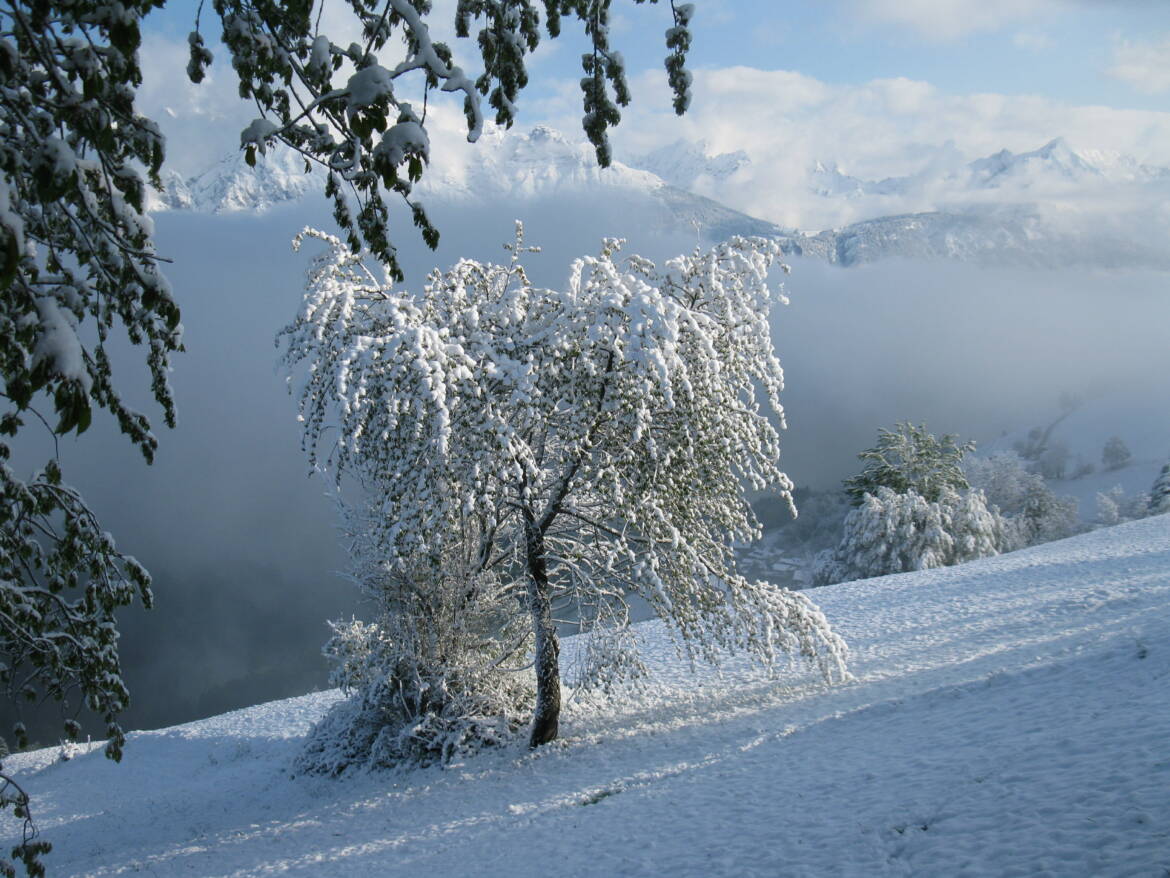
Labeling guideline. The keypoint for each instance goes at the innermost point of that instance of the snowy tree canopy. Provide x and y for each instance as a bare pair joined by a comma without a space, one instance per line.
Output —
908,458
1032,513
358,109
895,533
581,444
77,263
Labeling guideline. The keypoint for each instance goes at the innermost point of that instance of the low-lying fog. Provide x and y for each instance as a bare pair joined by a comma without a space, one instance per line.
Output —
241,540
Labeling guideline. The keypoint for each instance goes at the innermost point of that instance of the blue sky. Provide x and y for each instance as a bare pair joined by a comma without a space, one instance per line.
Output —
1062,49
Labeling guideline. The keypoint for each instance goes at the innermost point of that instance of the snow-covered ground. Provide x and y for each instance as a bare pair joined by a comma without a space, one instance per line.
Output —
1009,717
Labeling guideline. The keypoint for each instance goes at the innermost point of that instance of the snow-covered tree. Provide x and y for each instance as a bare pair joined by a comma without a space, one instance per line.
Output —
78,262
894,532
1116,506
581,444
1115,454
908,458
1032,512
1160,492
77,265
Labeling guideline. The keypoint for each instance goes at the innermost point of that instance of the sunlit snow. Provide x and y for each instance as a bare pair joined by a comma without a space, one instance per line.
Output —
1008,718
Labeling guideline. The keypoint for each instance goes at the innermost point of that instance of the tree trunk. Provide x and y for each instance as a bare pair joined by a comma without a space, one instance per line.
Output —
548,672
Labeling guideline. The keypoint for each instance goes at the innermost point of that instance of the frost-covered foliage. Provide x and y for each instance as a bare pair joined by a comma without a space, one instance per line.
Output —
1115,454
358,110
579,444
894,533
1032,512
1160,493
434,677
77,264
908,458
1115,506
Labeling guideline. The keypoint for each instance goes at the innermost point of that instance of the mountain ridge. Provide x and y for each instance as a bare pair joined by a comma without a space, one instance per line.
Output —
999,214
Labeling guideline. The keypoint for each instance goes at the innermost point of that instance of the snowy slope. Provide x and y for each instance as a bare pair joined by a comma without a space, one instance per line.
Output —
1009,717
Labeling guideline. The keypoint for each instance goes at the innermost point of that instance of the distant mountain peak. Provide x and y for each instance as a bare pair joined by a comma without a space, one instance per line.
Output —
683,162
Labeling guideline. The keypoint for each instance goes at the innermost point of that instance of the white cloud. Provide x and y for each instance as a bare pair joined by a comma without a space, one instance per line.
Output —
945,20
1032,41
1145,66
786,122
201,122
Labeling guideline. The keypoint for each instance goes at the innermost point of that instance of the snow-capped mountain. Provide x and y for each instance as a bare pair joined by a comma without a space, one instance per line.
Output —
230,185
1055,161
990,234
995,210
503,167
1054,166
682,163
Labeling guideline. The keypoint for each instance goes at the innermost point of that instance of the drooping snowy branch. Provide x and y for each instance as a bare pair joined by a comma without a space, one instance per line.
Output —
599,437
358,109
77,263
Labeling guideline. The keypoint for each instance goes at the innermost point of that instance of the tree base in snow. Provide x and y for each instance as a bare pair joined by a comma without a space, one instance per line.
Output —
359,735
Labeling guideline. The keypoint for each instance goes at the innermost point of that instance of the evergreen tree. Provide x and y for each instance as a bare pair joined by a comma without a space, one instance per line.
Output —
894,533
908,458
1160,492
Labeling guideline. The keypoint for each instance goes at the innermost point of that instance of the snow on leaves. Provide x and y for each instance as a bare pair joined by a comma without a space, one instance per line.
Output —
596,439
77,263
342,105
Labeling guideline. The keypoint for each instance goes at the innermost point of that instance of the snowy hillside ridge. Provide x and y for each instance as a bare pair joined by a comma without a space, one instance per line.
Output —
1003,721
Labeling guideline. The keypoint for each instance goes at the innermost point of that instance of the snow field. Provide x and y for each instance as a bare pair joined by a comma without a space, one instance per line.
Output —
1008,717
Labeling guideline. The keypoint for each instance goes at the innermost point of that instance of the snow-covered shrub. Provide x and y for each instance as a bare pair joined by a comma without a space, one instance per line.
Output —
432,678
1032,513
893,533
1115,506
1108,509
1160,493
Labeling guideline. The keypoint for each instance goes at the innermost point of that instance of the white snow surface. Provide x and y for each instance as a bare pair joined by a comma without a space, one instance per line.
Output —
1009,717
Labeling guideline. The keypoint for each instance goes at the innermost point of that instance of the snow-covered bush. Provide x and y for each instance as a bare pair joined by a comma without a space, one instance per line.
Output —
909,459
1032,513
1160,493
435,675
893,533
1115,506
579,444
